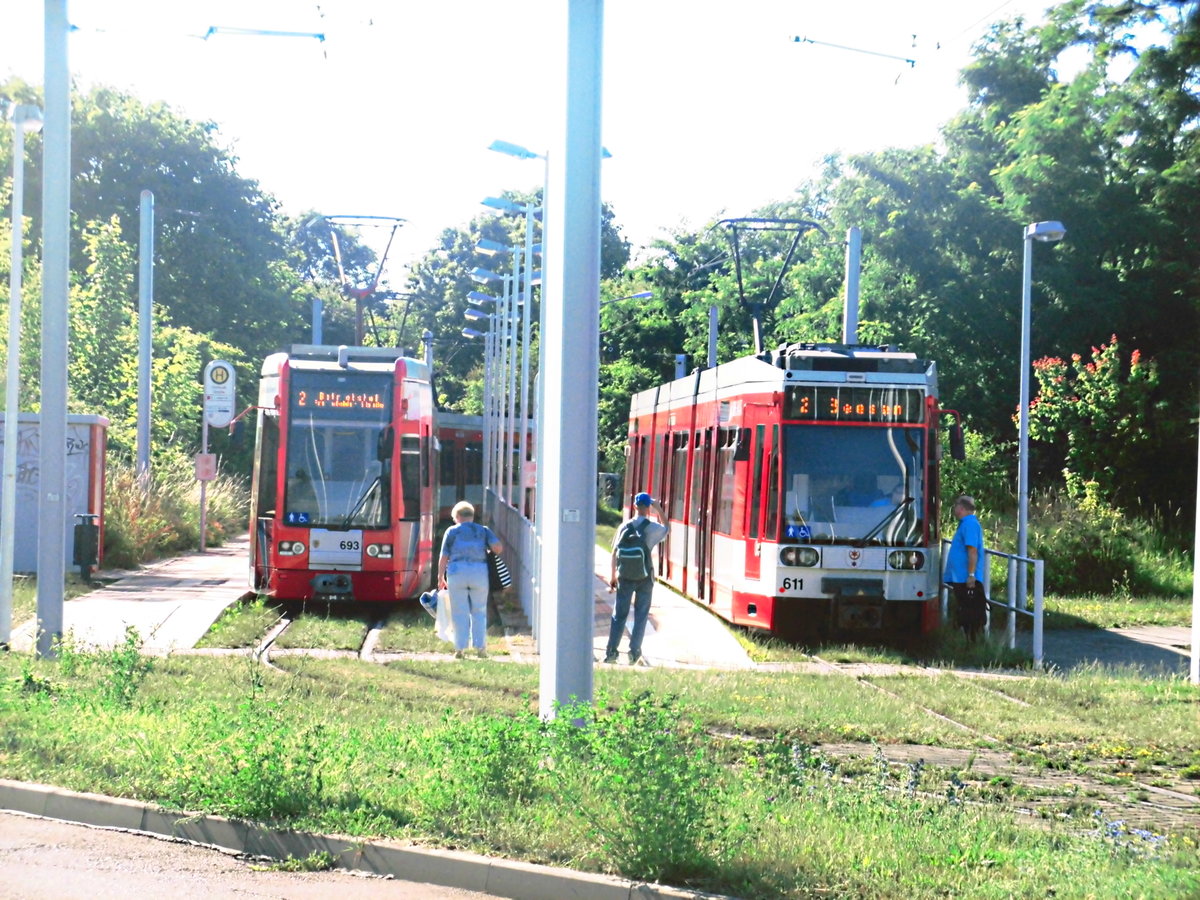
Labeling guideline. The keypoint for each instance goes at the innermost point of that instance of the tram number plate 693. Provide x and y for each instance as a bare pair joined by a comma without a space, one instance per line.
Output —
791,587
349,545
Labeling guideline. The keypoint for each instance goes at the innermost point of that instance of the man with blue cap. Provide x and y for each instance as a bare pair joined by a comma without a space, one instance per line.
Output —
632,574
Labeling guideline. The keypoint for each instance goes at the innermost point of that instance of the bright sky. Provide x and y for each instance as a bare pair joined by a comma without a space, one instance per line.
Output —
710,107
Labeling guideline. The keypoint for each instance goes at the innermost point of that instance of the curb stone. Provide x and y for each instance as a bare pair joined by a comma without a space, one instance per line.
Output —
448,868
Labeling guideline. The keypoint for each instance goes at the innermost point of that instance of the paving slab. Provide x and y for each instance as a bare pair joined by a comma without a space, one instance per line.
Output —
172,603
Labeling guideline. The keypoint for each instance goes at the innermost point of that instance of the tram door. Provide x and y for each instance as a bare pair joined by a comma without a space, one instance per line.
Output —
704,510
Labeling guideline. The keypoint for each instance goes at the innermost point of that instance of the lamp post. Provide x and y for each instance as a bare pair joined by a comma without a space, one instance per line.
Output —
26,118
1045,232
503,347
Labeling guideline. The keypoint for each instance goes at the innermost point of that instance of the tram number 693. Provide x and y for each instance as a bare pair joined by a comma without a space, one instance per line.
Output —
791,585
348,545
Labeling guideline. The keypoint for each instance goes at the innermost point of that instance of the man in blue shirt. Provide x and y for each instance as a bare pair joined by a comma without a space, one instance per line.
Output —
964,568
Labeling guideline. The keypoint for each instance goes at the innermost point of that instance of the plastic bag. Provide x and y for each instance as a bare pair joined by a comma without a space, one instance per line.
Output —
443,622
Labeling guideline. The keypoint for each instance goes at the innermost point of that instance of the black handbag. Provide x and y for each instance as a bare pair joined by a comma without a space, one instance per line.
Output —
498,575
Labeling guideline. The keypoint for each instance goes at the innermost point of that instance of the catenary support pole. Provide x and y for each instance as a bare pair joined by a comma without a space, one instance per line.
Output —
12,390
567,476
145,329
56,234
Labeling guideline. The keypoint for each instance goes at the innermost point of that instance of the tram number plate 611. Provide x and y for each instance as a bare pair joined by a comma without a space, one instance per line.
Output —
791,587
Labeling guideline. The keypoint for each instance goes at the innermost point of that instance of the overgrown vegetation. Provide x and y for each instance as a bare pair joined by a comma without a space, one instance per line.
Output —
699,779
149,518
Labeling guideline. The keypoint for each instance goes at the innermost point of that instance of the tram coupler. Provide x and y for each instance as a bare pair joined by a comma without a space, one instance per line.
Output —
333,587
858,603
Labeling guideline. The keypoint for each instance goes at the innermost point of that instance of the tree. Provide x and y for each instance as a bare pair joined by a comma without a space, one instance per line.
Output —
221,262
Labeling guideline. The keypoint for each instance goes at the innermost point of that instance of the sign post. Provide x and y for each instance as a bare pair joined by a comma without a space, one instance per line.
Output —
220,391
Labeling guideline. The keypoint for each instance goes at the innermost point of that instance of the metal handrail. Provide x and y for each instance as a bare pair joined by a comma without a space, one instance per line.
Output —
1037,613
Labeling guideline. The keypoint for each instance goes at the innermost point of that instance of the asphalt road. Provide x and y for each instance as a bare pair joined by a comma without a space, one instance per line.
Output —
44,859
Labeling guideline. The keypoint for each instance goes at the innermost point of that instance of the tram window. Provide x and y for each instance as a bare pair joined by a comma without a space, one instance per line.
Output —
449,469
771,532
756,480
410,475
679,475
699,461
473,463
660,466
643,472
268,464
725,481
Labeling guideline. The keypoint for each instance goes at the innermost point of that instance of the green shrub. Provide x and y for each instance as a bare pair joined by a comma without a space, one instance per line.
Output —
146,518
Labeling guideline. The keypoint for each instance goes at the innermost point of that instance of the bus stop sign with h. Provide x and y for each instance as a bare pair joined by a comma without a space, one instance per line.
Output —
220,393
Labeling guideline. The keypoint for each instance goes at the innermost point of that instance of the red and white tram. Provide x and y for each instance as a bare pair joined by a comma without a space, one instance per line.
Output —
801,487
343,496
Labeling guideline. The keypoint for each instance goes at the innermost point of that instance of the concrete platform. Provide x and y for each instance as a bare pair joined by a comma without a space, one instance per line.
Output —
679,633
171,603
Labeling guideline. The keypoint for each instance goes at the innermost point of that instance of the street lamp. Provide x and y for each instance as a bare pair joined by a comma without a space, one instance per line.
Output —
1045,232
26,118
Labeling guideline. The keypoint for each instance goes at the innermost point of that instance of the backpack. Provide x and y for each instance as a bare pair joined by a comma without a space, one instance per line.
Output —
633,554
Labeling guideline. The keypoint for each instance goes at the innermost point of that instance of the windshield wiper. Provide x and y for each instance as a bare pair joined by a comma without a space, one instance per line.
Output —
362,501
878,528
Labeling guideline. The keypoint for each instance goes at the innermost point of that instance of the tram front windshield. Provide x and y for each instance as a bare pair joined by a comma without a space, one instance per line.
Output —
336,477
853,484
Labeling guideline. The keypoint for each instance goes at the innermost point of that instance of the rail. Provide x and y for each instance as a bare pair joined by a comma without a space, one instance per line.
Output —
1036,614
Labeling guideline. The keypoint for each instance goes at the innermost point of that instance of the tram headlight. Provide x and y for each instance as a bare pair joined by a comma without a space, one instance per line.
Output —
799,556
906,559
379,551
291,548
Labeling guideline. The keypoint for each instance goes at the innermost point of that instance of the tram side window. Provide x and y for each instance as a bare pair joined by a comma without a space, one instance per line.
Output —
449,470
643,472
771,532
699,460
756,479
678,475
268,465
410,475
660,467
725,480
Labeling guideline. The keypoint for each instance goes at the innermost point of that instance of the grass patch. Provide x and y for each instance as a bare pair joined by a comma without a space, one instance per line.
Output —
457,756
242,624
1114,611
327,628
24,601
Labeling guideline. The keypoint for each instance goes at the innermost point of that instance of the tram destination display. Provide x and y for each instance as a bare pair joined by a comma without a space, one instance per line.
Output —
836,403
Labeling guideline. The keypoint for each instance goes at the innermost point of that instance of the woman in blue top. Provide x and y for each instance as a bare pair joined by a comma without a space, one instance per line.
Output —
463,570
964,568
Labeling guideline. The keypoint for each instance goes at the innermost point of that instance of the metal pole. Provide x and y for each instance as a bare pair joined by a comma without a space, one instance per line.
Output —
318,315
853,268
1039,581
487,422
204,490
571,348
527,303
510,444
56,239
713,324
1023,421
145,326
1194,669
12,393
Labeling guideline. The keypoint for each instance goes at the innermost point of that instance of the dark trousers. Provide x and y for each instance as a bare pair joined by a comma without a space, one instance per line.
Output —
971,607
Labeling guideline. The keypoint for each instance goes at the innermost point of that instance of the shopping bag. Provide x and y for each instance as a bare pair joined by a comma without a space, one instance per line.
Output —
443,622
498,575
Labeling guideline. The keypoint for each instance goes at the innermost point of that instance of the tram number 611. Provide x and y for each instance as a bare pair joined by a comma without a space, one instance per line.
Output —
787,585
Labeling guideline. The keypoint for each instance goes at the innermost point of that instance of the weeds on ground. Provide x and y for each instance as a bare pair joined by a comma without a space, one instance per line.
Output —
632,786
149,517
